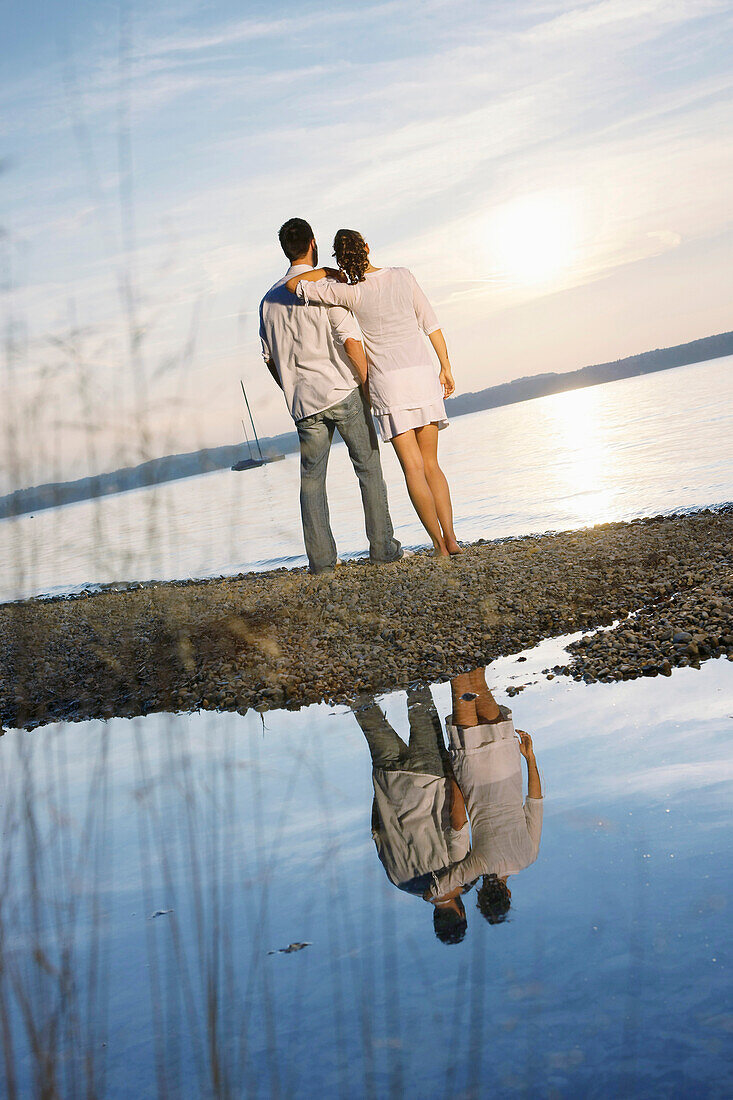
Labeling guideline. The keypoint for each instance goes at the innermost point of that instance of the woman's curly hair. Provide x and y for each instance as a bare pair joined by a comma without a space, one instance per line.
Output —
349,248
493,899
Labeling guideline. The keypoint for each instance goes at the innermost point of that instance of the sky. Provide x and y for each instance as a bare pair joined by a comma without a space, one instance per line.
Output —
556,174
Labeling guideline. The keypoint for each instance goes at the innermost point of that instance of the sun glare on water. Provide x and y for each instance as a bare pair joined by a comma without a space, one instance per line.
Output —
592,467
533,239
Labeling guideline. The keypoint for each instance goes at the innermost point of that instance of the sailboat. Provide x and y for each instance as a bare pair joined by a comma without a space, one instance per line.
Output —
257,458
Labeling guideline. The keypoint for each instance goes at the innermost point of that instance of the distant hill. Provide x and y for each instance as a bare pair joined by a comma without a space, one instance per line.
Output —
541,385
153,472
174,467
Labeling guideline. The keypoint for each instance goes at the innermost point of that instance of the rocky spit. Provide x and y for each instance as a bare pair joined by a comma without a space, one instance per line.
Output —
651,595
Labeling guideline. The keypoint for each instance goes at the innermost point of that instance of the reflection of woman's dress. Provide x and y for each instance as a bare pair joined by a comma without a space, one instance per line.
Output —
392,312
411,813
505,833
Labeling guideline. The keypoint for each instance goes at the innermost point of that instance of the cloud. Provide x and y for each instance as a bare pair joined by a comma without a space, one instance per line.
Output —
412,122
667,238
287,27
616,16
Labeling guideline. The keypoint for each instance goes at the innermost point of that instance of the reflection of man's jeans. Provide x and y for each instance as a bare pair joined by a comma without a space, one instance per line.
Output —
425,753
356,428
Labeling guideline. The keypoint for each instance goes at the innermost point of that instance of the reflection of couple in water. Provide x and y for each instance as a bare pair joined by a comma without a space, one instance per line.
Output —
426,799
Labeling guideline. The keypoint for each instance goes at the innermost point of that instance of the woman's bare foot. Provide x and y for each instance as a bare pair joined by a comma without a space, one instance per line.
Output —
440,550
452,546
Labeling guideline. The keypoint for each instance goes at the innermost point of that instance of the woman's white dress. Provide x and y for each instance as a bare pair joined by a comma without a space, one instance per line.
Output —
505,830
393,313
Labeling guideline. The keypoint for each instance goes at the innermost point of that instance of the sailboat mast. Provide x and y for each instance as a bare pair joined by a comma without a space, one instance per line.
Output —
251,418
246,438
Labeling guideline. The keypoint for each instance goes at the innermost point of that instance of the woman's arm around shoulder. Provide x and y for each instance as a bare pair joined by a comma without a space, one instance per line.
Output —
454,877
313,276
311,286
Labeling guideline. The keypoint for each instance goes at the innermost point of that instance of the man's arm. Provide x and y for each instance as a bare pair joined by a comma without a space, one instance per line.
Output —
266,352
346,333
269,363
458,816
355,351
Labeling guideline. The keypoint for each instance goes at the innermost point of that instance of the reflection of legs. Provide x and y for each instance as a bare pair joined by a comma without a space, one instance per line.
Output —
487,708
413,467
473,711
427,750
315,443
387,748
427,441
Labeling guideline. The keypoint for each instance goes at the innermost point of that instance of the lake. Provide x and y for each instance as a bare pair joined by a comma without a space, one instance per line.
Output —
154,870
656,443
193,905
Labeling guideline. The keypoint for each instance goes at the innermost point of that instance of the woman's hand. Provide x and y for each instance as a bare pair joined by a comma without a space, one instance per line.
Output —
446,374
447,381
525,745
534,784
336,273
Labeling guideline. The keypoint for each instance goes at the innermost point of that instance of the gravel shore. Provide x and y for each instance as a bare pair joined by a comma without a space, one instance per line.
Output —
284,638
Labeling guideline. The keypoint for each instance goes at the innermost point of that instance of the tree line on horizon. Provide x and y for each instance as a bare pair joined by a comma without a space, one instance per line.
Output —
178,466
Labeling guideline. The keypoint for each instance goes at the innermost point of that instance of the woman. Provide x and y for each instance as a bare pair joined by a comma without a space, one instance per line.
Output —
486,756
405,388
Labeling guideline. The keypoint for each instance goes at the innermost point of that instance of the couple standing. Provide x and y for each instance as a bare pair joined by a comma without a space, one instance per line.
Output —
331,369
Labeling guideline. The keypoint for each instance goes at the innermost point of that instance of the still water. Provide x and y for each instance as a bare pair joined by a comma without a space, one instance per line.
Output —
641,446
153,869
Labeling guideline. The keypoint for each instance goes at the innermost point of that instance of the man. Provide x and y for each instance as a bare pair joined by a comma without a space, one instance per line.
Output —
419,823
317,358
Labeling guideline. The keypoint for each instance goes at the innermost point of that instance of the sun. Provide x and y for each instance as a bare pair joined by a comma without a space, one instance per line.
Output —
533,239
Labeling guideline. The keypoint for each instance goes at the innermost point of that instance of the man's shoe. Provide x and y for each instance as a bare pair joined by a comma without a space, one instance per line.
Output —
390,561
328,569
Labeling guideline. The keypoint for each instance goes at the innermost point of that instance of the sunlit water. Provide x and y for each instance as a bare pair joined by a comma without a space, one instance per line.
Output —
611,978
150,867
644,445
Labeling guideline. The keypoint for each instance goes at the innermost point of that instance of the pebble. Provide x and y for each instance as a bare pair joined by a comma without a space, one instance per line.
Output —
265,640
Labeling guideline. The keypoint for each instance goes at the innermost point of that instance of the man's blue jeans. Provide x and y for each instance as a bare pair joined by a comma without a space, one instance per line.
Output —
356,427
425,754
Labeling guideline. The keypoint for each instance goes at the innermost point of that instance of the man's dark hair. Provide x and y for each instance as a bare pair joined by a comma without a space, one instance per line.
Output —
493,899
449,926
295,238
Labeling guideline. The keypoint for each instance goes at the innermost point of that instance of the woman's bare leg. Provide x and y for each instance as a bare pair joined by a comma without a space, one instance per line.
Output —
464,710
411,460
427,441
487,707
